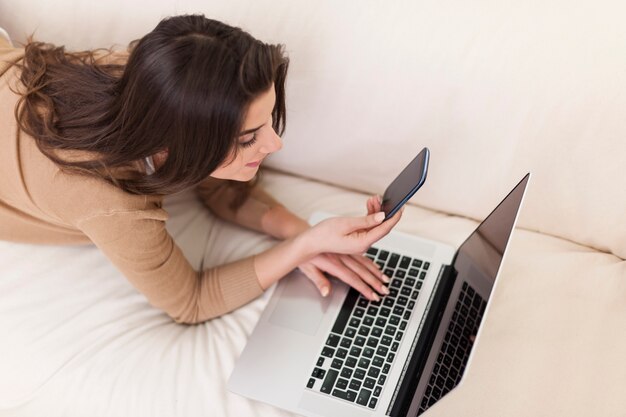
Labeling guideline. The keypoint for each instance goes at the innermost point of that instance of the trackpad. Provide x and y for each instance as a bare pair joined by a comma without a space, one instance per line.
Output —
300,306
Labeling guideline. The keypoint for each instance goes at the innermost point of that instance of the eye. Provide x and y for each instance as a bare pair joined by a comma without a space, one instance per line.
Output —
248,143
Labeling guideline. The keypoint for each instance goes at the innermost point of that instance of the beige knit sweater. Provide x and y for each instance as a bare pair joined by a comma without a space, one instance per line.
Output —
41,204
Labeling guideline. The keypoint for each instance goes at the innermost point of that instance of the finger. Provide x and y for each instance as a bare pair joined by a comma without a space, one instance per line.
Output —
339,270
319,279
376,233
371,266
364,222
370,206
365,274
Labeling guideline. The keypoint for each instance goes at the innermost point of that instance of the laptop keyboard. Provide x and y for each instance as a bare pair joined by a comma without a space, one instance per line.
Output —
456,347
360,350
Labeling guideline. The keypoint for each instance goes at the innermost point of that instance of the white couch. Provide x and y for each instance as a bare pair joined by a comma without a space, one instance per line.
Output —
495,89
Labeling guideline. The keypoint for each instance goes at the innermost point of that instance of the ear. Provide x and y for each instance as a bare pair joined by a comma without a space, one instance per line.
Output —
159,158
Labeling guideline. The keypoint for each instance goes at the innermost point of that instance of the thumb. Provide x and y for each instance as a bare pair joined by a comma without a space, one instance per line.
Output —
366,222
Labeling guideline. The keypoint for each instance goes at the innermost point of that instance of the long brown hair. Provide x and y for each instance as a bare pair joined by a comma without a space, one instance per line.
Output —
186,88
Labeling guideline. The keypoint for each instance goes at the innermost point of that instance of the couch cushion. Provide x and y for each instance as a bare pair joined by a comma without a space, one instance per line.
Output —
494,90
79,340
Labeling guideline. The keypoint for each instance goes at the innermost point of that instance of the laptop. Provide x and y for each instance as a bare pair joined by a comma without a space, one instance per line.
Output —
344,355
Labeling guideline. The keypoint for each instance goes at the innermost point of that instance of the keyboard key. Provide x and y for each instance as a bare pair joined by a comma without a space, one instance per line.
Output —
368,321
426,265
310,383
413,273
342,383
346,373
405,262
396,283
398,310
385,312
318,373
382,351
364,330
411,305
389,272
358,312
391,357
351,361
394,347
372,311
372,251
386,340
382,379
414,295
400,273
403,325
416,263
355,351
320,361
350,332
369,383
405,291
345,343
393,260
378,361
407,315
390,330
393,292
399,336
355,384
381,322
422,275
340,394
364,363
383,255
333,340
373,402
337,364
364,396
394,320
386,368
388,302
359,373
402,301
354,322
373,372
341,353
368,352
372,342
328,352
359,341
362,302
329,381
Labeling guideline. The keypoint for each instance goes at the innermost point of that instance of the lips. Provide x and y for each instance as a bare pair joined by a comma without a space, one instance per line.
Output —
254,164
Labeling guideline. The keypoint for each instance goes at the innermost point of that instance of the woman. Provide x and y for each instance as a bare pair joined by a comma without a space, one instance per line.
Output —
92,143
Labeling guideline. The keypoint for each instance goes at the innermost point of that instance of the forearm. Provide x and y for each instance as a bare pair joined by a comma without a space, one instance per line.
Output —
275,263
282,224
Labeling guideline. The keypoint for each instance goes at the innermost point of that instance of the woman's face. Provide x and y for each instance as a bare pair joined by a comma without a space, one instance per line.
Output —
257,140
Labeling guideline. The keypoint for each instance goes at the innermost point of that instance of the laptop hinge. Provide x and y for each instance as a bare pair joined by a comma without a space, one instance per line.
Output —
425,338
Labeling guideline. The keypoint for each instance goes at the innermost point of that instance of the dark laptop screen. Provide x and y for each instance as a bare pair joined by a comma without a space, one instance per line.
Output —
480,256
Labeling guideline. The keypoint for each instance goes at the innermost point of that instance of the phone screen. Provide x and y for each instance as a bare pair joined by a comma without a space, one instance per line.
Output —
406,184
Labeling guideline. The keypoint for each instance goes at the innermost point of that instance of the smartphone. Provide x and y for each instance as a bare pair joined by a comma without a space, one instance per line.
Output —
406,184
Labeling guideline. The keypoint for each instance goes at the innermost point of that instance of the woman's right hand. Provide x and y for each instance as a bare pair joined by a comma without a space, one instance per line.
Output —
349,235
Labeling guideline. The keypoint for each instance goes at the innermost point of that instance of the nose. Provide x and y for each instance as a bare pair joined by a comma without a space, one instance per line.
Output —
271,143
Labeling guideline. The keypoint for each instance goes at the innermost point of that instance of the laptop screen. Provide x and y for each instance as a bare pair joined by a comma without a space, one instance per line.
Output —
480,256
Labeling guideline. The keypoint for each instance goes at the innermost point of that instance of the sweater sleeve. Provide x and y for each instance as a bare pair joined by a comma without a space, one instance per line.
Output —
138,244
218,195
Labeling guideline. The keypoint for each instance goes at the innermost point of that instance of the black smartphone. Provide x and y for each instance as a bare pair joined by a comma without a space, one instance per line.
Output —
406,184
